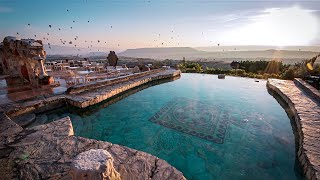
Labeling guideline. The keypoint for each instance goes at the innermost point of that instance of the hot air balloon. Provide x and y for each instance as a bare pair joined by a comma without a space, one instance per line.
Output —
49,26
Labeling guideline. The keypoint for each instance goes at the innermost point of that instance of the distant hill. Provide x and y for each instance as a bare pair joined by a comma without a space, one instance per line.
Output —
67,50
96,54
258,48
64,50
161,53
192,54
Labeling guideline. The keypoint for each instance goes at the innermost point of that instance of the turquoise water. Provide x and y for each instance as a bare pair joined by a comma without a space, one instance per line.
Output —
205,127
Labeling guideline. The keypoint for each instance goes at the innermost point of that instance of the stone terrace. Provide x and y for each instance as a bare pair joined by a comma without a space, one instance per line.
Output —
306,110
85,95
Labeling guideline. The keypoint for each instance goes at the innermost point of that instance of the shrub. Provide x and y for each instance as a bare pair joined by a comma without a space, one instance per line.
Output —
289,74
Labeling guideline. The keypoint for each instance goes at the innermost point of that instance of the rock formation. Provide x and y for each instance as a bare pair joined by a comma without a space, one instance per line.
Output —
48,152
23,58
112,59
94,164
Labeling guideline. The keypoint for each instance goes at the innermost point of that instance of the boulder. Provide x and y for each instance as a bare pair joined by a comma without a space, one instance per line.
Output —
221,76
94,164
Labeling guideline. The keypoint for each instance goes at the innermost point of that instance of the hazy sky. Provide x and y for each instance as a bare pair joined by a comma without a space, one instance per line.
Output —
122,24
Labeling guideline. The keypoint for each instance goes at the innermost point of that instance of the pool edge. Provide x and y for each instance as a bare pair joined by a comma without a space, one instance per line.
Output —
306,154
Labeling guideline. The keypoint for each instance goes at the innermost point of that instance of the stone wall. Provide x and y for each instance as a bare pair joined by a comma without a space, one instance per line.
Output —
36,106
308,88
306,112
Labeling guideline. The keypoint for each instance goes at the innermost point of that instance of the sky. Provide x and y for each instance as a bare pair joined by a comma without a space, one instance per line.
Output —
123,24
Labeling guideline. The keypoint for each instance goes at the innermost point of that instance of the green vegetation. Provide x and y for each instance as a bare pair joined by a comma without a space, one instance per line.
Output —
259,69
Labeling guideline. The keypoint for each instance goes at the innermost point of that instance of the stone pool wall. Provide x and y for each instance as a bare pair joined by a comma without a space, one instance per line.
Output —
306,110
90,95
47,151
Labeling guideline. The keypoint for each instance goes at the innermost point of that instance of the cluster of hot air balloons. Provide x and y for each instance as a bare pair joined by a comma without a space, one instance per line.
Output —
64,42
159,38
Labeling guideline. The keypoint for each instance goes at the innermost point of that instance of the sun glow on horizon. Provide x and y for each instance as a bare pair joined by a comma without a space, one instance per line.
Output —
278,27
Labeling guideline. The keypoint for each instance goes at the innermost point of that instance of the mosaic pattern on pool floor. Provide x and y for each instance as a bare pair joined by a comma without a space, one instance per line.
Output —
195,118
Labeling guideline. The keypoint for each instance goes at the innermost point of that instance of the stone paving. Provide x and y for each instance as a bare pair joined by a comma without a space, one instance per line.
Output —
306,111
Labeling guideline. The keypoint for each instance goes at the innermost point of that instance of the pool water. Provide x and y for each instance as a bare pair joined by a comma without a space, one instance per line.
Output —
206,127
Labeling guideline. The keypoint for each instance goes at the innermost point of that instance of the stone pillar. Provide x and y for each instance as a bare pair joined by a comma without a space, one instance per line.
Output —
95,164
42,70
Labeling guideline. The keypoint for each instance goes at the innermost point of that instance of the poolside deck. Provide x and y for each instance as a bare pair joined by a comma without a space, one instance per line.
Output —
304,104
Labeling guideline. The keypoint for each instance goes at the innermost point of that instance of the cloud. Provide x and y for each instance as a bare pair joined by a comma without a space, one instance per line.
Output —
5,9
278,26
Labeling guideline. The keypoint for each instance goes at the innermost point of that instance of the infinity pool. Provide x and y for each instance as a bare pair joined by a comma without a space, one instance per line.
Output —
206,127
